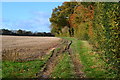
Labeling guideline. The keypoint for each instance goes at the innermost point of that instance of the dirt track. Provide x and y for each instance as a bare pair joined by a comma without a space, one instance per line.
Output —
28,46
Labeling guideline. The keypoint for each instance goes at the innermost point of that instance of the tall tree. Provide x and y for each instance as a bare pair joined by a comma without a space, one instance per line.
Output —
60,16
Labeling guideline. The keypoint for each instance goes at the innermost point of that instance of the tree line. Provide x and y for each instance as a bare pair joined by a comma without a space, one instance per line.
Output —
23,33
96,22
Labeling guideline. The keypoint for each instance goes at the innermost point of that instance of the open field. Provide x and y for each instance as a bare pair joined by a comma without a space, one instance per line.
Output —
24,46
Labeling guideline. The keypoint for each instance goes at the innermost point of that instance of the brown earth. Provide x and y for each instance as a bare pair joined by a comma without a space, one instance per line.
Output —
53,60
76,63
23,47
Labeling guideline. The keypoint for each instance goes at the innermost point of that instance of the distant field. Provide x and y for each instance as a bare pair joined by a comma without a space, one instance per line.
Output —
25,46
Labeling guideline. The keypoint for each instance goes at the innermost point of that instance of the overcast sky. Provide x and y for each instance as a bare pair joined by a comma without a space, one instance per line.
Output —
33,16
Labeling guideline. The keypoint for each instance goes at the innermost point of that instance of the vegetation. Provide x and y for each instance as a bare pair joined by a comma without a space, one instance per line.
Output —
23,33
21,70
97,23
64,69
28,69
93,65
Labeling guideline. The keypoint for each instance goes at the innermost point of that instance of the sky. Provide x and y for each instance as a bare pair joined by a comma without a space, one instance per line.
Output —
31,16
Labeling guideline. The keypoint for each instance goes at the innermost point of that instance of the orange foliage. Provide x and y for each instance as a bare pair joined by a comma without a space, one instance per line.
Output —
71,20
90,30
86,13
83,14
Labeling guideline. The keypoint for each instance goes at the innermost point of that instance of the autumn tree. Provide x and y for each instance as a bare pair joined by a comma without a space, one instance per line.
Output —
60,17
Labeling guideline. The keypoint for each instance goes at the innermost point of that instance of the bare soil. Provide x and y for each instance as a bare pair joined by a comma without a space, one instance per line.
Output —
76,62
77,66
23,47
53,60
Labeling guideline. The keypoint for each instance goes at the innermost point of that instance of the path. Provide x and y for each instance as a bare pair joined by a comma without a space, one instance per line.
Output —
56,56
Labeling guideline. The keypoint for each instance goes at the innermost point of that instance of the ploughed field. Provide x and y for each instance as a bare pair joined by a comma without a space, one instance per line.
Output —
26,48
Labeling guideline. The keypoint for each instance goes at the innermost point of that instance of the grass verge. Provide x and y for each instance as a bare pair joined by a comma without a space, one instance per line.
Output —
93,65
27,69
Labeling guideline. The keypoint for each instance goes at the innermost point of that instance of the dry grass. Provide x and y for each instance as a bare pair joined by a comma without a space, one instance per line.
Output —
24,47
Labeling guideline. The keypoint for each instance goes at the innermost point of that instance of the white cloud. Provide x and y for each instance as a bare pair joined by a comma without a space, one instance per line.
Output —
39,22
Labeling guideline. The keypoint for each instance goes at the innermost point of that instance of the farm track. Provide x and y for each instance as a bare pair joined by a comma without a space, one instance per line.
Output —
52,61
77,65
56,56
75,62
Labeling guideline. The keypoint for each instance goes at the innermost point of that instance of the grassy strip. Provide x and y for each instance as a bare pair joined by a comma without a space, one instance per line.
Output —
22,69
94,66
64,69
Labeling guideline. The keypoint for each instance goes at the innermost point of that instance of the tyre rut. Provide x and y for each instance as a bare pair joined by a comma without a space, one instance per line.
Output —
76,63
53,60
56,55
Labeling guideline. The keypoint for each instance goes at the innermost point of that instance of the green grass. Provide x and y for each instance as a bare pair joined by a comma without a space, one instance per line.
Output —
64,69
94,66
0,69
27,69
